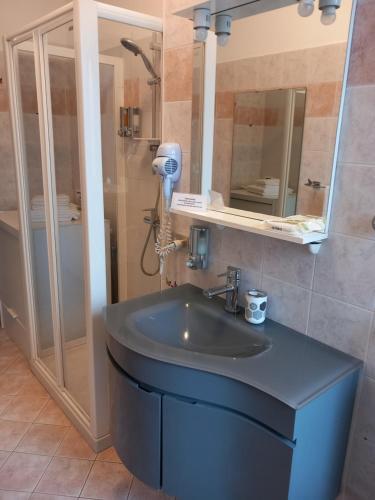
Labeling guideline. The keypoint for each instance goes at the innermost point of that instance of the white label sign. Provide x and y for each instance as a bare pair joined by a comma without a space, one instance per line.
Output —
188,201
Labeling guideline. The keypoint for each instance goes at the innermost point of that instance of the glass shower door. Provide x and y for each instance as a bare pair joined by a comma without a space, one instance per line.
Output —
66,191
36,201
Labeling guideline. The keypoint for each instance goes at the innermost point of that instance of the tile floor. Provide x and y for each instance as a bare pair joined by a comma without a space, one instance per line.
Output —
42,457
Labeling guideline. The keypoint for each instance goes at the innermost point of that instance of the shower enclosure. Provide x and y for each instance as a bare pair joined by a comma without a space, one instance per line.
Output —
82,187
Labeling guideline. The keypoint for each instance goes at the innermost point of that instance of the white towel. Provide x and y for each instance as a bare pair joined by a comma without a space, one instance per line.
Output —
268,181
64,213
61,200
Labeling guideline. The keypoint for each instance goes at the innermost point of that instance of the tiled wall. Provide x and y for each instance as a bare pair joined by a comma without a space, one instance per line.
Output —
330,297
8,196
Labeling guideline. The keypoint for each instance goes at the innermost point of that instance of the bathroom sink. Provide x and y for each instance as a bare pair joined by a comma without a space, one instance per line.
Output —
201,328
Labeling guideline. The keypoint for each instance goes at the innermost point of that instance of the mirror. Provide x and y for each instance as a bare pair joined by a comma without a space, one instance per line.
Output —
279,83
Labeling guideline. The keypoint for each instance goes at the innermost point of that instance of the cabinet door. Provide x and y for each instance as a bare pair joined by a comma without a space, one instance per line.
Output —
212,453
136,426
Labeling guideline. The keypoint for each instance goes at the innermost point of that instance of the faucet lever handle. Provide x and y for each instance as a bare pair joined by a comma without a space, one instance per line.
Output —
231,272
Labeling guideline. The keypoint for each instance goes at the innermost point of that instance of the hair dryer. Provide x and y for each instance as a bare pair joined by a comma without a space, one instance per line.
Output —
168,165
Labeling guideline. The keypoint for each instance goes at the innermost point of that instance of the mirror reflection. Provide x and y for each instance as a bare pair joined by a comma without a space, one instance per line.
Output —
266,151
279,82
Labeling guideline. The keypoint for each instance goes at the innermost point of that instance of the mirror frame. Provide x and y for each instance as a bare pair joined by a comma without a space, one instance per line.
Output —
208,119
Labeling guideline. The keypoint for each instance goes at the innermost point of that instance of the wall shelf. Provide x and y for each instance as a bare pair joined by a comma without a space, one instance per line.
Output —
249,225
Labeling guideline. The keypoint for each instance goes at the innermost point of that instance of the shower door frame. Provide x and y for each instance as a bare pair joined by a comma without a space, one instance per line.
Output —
85,15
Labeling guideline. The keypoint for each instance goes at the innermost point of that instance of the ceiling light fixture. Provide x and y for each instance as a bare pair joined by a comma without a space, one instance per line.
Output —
223,28
328,8
202,23
305,7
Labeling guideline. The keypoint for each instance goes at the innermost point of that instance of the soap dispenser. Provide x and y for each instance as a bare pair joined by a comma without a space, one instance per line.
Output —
198,248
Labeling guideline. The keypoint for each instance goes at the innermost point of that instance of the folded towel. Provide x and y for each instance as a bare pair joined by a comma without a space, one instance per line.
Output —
61,200
64,213
266,191
298,224
268,181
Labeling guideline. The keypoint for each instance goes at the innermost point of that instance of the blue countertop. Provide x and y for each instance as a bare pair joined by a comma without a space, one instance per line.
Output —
294,371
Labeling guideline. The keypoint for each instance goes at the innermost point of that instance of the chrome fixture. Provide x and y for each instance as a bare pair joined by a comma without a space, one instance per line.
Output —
202,23
230,289
314,184
223,28
137,51
328,8
198,248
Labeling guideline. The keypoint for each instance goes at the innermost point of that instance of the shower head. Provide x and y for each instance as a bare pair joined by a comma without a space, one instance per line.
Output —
136,50
130,45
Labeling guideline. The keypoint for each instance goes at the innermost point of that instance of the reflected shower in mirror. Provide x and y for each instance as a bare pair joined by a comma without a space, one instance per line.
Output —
279,83
266,151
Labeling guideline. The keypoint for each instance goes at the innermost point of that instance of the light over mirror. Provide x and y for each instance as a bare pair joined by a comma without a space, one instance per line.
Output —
279,83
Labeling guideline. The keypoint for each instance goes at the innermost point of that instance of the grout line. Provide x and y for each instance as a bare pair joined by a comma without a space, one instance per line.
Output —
130,487
43,473
87,477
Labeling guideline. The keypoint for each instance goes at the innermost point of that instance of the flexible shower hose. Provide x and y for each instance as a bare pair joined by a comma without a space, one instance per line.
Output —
151,229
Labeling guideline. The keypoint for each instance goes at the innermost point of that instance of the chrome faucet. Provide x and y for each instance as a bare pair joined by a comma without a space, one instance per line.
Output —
230,289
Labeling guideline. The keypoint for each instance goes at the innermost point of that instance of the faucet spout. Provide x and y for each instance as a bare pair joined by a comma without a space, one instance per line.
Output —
230,289
210,293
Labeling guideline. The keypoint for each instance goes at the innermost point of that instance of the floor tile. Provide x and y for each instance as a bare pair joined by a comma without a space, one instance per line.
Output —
140,491
19,366
5,362
11,434
42,439
24,408
52,414
14,495
108,455
74,446
64,476
4,402
33,386
22,471
46,496
11,383
3,456
107,481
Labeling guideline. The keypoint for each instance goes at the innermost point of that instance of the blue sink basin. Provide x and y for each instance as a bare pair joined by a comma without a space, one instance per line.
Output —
199,328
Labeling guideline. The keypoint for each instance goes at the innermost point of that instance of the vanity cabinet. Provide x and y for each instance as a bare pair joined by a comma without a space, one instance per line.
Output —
136,426
199,450
211,452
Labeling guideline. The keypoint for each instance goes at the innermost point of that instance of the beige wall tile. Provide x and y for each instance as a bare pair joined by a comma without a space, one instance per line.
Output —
177,123
345,270
178,74
321,99
370,360
288,262
358,133
362,63
288,304
177,31
353,202
340,325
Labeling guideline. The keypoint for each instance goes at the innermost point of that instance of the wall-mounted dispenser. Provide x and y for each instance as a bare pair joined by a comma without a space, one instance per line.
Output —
130,122
198,247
